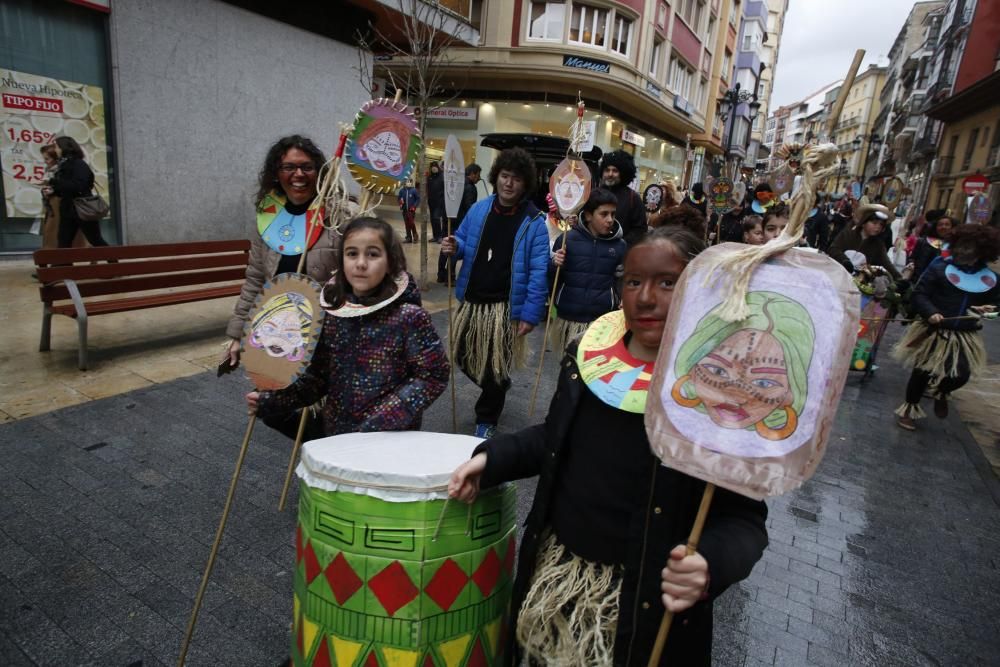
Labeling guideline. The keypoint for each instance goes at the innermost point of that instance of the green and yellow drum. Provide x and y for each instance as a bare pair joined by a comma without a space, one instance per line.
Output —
390,574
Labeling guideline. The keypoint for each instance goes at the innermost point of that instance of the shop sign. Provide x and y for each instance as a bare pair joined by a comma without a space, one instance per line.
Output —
974,184
682,105
633,138
450,113
591,64
652,90
34,110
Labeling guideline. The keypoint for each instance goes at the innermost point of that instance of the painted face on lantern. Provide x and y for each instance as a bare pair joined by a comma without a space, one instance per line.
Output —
743,380
384,152
281,327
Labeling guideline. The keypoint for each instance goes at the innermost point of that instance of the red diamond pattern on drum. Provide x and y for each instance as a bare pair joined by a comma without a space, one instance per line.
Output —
508,558
343,580
477,657
446,584
429,661
372,659
393,588
299,643
322,657
312,563
298,544
487,573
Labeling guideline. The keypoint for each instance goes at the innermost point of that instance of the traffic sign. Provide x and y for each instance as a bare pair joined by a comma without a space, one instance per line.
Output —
974,184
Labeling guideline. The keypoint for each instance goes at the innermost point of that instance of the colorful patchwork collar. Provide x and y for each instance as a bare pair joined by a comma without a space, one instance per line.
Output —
286,233
608,369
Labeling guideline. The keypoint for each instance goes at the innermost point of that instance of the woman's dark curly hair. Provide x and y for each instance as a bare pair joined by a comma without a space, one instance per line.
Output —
518,161
335,292
778,210
683,216
986,240
69,148
268,178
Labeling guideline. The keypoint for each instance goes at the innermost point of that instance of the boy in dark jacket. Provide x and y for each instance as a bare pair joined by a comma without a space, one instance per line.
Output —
591,260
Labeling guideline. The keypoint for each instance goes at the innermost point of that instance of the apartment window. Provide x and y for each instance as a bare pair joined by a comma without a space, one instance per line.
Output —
547,20
727,65
986,137
661,16
732,13
588,25
710,33
654,59
702,94
969,148
680,78
699,13
621,35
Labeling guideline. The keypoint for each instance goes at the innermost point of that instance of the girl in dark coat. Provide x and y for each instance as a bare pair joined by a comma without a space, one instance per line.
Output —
936,236
591,585
73,178
866,238
590,262
946,343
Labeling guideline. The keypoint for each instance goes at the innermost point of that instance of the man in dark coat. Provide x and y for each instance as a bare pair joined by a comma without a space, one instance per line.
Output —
435,200
617,171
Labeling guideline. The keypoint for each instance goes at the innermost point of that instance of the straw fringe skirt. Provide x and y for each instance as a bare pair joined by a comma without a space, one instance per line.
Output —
563,332
484,336
938,351
570,614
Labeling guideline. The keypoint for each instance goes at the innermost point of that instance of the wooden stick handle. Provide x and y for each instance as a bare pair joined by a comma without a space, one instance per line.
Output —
692,547
215,545
451,343
545,336
293,458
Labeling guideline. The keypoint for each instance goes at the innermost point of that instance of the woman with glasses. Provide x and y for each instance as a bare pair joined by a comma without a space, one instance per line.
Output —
286,188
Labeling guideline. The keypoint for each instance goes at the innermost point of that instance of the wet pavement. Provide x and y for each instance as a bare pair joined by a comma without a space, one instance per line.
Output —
890,555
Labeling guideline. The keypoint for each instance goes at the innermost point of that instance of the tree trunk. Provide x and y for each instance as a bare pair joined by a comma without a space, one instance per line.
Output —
424,203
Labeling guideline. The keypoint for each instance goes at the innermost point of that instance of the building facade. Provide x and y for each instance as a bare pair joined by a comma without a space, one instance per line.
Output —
739,137
854,130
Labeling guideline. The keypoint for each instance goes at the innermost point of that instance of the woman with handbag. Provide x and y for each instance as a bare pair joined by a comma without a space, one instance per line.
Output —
74,179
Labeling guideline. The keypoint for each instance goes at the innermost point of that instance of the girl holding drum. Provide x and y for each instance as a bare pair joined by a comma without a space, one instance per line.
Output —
607,513
379,362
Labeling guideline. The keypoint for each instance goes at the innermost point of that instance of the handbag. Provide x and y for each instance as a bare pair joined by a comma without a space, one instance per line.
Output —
91,208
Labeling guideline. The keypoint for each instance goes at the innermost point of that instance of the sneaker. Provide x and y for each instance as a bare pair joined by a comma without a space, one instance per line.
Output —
906,423
941,407
485,431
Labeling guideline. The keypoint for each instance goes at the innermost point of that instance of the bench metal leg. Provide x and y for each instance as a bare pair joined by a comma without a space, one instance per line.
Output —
81,327
44,343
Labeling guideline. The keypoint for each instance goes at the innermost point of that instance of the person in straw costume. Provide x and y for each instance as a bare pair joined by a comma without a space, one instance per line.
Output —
502,286
945,343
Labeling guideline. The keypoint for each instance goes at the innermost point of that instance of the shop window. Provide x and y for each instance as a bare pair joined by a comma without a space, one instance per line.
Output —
547,20
588,26
655,56
621,35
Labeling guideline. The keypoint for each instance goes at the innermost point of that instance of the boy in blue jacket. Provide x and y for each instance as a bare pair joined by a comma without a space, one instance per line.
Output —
504,248
590,261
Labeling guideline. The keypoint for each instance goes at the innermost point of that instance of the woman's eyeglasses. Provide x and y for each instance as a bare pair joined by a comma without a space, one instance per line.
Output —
288,168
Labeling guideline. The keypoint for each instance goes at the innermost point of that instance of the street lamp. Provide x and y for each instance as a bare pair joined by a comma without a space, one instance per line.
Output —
728,104
874,141
841,170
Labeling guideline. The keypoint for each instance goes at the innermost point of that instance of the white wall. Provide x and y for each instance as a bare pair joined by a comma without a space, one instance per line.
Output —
203,88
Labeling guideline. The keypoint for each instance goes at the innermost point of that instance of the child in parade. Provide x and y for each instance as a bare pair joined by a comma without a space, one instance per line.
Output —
607,514
753,230
866,237
936,235
379,363
950,297
590,261
775,220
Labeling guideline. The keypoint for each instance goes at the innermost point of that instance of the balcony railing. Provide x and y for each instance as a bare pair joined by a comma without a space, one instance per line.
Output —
848,124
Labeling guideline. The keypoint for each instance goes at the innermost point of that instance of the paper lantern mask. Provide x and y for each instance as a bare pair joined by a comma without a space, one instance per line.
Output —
454,176
652,198
892,193
286,233
980,209
280,335
782,180
382,149
569,186
856,190
721,189
749,405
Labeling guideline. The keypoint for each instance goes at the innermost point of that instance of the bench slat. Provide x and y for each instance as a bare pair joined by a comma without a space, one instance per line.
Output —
152,301
57,292
140,268
47,256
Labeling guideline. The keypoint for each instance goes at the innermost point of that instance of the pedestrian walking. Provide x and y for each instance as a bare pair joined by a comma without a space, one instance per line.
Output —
617,172
502,286
409,199
72,178
435,201
591,260
950,298
51,204
379,362
607,513
817,227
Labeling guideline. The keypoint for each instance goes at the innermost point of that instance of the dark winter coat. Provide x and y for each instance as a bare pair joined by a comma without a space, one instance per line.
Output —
818,230
922,256
631,213
435,194
934,293
73,178
872,248
587,279
378,372
731,227
733,540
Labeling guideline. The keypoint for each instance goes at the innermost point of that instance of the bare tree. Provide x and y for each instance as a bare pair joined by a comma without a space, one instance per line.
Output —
416,60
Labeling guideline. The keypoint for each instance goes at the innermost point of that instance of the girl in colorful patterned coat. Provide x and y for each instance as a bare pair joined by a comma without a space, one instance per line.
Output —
379,362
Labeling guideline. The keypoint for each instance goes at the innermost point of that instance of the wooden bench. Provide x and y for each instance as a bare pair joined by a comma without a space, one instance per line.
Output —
72,277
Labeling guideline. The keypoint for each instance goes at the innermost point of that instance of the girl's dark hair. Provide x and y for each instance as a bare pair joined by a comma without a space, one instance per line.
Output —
599,197
69,147
268,177
335,292
688,243
984,238
518,161
752,221
687,217
779,210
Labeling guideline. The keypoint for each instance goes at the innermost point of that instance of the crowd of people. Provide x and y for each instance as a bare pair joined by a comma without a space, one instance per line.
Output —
604,518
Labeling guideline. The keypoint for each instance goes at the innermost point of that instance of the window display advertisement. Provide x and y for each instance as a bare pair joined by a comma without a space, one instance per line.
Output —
34,110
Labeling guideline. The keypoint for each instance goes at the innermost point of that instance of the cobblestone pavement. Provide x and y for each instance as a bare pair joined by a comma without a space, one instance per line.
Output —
888,556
